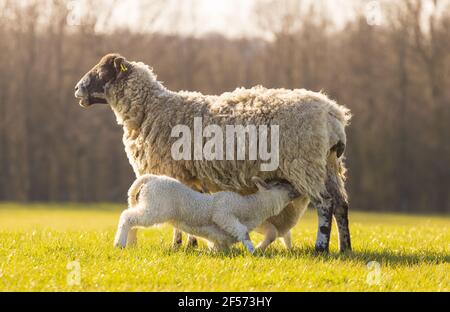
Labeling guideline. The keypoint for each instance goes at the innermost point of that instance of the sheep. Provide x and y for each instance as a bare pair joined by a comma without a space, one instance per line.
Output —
223,218
311,146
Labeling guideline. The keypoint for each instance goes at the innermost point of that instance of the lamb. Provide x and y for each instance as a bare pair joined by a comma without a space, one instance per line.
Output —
223,218
311,145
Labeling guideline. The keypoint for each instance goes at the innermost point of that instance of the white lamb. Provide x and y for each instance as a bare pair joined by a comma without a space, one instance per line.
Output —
223,218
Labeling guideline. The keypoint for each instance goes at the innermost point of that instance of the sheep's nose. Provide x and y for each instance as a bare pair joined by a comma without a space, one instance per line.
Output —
80,91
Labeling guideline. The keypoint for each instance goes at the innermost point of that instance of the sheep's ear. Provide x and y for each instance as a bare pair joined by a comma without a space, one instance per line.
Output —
260,183
121,65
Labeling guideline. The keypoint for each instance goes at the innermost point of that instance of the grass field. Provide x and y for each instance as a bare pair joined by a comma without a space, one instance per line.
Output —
39,244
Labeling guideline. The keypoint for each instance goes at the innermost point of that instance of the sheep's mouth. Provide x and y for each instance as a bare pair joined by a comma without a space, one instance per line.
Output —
91,100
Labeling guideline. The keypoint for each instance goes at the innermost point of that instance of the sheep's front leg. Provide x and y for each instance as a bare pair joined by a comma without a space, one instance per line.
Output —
191,241
177,239
324,212
270,235
235,228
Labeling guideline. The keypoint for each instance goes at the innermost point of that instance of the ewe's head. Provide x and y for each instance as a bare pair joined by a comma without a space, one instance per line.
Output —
91,89
281,187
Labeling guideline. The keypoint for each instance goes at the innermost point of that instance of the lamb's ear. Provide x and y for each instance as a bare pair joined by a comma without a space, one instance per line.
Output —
293,193
260,183
122,66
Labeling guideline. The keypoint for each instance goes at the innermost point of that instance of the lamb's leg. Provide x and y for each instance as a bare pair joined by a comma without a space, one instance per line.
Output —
235,228
126,222
270,235
177,239
132,237
287,240
324,212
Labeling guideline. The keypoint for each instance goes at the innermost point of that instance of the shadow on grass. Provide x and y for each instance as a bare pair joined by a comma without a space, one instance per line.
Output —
363,256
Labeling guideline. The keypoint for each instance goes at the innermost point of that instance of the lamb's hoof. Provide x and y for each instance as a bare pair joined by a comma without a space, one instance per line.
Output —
118,245
248,244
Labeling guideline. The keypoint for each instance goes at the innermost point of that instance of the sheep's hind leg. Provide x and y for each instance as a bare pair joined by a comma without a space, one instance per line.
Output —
235,228
126,221
324,212
132,237
341,217
336,188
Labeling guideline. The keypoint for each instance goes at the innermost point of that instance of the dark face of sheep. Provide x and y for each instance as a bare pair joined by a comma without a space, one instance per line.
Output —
91,89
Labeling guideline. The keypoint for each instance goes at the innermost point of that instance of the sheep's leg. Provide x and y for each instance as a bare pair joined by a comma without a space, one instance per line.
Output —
270,235
341,217
235,228
324,212
287,240
336,188
126,221
121,235
132,237
191,241
177,239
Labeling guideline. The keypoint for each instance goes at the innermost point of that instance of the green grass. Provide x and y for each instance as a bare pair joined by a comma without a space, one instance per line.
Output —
38,241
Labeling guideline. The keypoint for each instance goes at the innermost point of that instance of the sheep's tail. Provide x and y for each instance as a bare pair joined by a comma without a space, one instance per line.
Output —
134,189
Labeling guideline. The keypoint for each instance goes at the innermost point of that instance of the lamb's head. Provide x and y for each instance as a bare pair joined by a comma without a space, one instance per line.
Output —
92,88
280,188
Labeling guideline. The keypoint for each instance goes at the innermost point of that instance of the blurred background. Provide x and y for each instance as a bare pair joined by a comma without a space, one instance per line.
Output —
388,61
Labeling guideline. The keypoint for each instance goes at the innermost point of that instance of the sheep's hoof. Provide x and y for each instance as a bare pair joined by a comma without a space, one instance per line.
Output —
345,250
176,243
321,249
192,242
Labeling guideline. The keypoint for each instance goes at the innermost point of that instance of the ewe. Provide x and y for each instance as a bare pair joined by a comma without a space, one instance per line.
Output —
311,127
223,218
